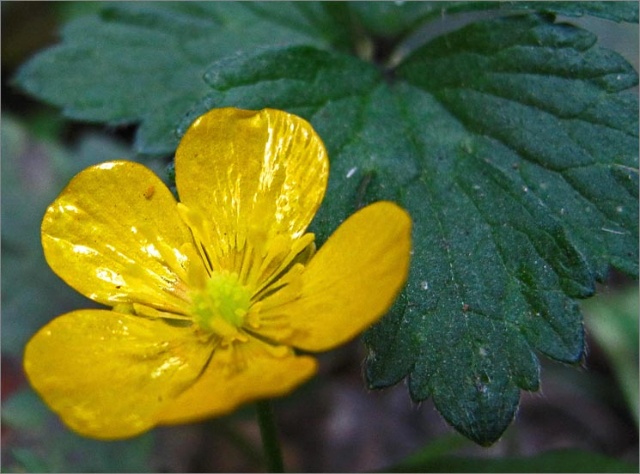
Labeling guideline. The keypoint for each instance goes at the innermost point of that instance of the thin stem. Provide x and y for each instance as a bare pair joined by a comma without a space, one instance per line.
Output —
269,433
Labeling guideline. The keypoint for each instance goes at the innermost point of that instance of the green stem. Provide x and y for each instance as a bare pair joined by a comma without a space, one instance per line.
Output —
269,433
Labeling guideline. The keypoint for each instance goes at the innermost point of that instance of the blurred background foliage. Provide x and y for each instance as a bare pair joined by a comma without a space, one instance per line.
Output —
331,424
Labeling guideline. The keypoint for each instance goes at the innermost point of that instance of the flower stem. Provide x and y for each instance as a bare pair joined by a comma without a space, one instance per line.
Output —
269,433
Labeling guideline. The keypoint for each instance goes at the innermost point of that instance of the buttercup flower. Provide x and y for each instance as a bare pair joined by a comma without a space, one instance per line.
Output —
211,295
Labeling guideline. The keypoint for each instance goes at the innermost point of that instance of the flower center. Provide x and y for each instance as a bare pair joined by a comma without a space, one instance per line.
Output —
222,306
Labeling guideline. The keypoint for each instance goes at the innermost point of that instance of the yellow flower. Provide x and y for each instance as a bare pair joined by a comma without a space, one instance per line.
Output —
210,295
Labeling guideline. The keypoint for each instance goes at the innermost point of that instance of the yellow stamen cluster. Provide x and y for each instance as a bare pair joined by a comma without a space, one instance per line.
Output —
222,305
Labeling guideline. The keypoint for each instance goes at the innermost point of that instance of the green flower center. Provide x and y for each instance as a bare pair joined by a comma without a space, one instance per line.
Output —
222,306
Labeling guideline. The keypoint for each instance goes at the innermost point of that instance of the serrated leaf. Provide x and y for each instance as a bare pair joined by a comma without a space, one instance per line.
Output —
498,183
513,145
530,207
143,62
388,19
616,11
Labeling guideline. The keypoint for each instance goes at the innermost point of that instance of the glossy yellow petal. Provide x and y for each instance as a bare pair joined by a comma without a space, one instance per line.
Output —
252,174
114,234
237,374
349,284
109,374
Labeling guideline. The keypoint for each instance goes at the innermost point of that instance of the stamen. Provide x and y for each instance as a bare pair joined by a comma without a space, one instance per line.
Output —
172,258
249,275
149,312
221,306
246,265
196,272
278,259
266,320
201,231
234,359
283,290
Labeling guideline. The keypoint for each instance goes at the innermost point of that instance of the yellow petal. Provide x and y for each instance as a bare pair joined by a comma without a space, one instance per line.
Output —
108,374
114,234
237,374
350,283
253,174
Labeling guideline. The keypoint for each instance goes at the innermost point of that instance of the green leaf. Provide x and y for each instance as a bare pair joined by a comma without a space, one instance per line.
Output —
616,11
531,207
553,461
389,19
500,142
143,62
512,142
